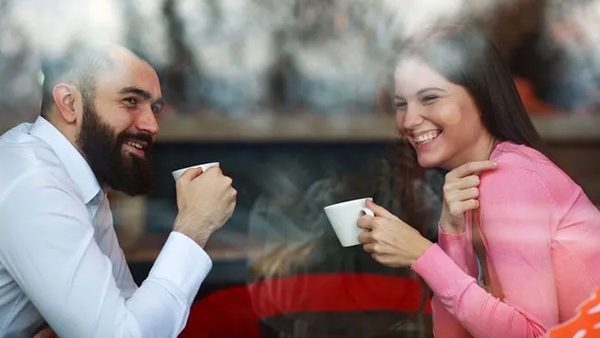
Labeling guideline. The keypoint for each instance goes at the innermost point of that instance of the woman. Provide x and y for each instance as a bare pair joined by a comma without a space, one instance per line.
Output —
519,242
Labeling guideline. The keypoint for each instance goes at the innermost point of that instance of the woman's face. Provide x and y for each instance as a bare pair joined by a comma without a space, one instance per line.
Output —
439,118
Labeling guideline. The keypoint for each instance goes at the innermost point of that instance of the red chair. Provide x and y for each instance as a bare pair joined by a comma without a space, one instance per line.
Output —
236,312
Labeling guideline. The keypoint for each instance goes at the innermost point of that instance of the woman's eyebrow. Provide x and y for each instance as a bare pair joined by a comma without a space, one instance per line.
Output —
430,88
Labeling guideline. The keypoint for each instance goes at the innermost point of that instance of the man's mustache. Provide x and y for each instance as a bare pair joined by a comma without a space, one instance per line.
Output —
143,137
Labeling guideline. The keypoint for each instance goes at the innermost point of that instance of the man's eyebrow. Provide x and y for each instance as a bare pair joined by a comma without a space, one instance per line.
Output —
137,91
159,103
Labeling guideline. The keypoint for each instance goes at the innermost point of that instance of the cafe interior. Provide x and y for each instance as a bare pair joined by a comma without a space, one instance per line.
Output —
293,99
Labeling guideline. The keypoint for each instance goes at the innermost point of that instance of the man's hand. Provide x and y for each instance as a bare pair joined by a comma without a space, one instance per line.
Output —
46,332
205,201
461,193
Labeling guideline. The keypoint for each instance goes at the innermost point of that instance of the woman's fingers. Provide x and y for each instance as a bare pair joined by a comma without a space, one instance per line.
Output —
365,222
461,191
369,247
463,195
365,237
470,168
462,183
459,208
379,210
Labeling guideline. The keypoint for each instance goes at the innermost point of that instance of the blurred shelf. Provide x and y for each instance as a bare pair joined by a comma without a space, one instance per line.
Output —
338,128
278,128
306,127
568,129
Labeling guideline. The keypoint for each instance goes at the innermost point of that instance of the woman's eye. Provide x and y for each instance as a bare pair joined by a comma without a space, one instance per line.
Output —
400,105
429,98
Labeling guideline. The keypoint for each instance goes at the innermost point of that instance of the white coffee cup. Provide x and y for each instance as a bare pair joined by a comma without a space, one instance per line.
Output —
343,218
177,173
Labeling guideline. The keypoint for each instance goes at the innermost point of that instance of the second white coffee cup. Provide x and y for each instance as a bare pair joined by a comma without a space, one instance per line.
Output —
177,173
343,217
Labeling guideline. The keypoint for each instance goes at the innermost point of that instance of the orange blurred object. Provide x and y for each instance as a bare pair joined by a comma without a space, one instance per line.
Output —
534,105
586,324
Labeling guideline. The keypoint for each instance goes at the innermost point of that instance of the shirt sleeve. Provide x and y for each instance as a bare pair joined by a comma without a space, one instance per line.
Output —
107,241
47,244
515,220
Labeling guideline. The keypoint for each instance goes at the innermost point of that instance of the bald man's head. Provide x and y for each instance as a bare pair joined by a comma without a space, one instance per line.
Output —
106,100
80,66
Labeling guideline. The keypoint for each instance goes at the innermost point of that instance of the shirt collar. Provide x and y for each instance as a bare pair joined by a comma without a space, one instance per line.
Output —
76,166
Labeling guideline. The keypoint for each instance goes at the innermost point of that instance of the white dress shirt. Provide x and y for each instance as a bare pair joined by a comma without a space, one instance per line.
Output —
60,261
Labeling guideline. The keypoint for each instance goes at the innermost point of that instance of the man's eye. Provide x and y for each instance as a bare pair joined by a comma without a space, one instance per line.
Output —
131,101
156,108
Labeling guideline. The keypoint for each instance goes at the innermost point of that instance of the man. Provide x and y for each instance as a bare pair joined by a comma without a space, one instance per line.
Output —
60,262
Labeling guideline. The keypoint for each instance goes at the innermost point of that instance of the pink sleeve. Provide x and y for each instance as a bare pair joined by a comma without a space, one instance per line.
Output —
456,246
445,324
516,217
460,295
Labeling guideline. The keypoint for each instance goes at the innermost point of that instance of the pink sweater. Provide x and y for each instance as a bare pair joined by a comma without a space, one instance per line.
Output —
542,237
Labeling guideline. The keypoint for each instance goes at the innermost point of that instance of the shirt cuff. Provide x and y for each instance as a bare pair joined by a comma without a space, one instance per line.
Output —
454,244
183,262
444,236
440,272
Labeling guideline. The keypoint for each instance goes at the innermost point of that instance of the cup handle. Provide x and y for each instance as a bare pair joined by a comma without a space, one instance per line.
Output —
367,211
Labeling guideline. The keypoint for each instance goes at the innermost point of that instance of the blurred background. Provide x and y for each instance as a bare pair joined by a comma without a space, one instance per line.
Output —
293,98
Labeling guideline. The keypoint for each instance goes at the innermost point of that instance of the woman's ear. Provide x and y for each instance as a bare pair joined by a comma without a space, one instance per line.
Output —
67,100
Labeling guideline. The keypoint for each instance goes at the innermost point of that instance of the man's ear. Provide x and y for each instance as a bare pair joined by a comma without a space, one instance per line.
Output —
67,99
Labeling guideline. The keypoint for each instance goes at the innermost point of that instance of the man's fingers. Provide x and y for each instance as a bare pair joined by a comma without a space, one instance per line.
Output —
191,173
471,168
46,333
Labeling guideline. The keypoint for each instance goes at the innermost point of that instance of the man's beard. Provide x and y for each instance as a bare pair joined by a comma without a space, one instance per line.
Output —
103,150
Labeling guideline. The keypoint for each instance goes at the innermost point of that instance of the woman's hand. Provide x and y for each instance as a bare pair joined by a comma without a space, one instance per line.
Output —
389,240
461,193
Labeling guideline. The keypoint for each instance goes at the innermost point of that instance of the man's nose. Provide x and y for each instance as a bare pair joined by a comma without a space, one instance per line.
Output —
148,122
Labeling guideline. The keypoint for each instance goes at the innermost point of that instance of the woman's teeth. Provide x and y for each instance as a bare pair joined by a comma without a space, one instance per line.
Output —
427,137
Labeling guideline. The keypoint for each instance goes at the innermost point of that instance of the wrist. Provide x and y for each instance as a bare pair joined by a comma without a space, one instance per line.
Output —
451,228
199,237
423,245
189,228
